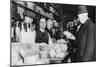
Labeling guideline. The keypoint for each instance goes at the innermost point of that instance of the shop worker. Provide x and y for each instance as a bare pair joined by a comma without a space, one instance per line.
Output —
42,36
49,27
28,19
85,39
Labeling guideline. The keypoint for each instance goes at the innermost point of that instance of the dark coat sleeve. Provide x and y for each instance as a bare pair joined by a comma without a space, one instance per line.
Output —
90,44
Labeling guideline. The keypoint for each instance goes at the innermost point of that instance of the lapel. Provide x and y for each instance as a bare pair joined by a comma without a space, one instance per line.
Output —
83,27
82,31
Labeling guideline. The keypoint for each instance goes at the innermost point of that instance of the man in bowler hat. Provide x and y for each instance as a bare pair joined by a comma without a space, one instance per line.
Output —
85,38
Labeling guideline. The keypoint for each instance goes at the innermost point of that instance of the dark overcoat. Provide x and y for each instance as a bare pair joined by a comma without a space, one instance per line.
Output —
85,43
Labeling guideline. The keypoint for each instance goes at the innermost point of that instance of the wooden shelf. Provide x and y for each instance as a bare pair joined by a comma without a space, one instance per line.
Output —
23,6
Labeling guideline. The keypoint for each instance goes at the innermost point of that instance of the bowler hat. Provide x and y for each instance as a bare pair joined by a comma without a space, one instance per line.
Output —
82,9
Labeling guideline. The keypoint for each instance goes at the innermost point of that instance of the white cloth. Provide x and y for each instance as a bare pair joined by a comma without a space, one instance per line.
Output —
69,35
31,59
16,59
28,49
27,37
17,33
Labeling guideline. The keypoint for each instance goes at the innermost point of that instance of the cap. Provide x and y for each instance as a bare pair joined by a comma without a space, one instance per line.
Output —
29,14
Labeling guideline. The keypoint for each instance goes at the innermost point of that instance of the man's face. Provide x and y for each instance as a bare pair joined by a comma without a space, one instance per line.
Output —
28,19
82,17
42,23
71,24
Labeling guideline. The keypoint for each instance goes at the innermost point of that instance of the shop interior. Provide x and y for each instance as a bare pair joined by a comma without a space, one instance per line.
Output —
64,17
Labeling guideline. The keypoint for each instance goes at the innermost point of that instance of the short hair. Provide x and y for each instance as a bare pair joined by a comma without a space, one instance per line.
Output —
49,20
42,19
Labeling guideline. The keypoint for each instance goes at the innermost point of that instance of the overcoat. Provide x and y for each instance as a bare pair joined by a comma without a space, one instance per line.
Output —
85,43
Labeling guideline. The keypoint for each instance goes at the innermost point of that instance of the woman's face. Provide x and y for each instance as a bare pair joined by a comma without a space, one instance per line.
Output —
50,24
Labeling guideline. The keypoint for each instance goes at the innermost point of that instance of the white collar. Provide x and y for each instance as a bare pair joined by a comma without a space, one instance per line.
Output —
42,30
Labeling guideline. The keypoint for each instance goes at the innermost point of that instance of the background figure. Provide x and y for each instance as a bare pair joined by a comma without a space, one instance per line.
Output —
85,39
72,28
49,27
33,27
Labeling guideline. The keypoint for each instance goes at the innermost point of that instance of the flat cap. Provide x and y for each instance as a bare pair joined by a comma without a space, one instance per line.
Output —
29,14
